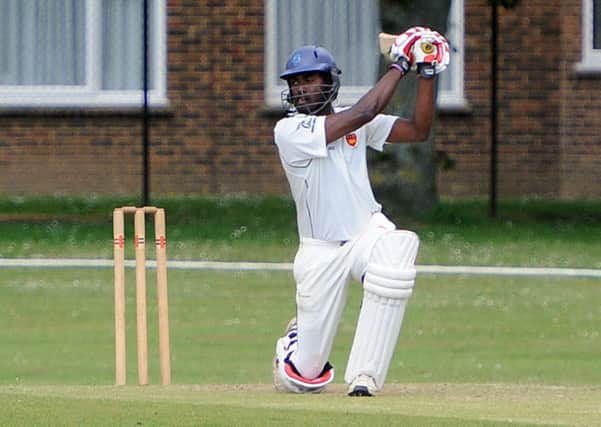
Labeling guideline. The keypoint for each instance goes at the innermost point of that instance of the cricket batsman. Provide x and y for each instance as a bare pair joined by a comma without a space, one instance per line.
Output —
343,234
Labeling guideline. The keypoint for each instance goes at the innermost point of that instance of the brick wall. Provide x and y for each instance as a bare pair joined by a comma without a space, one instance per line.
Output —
527,100
56,154
580,129
216,135
548,115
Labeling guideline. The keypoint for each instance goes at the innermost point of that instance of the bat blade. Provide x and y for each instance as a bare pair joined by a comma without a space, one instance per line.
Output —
386,41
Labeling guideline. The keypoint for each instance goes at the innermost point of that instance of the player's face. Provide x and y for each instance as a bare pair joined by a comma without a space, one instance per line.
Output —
307,91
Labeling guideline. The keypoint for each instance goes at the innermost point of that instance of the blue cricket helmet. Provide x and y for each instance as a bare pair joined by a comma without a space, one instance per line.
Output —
310,58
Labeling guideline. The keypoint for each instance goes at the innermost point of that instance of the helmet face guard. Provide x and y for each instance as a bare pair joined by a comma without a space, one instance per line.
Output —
326,95
311,59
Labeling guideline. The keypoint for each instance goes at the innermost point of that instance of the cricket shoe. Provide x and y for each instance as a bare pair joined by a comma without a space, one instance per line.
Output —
282,346
286,377
362,385
291,326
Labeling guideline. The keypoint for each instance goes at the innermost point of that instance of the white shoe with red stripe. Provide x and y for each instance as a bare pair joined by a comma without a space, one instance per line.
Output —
286,377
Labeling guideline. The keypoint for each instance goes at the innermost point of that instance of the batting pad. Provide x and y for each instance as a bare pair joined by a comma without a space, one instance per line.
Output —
388,284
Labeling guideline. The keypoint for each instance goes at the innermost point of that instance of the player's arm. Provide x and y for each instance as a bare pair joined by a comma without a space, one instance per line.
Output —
418,127
431,55
371,104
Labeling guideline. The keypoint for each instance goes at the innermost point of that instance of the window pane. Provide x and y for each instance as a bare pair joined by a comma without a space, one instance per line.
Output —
451,85
42,42
122,44
347,28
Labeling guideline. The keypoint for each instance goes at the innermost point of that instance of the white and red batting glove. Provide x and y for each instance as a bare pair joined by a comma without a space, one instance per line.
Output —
401,51
431,53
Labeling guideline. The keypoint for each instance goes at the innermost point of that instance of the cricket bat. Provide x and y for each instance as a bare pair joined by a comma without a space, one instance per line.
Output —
386,41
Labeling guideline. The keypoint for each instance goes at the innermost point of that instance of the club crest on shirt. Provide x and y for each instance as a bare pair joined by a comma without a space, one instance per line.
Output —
308,123
351,139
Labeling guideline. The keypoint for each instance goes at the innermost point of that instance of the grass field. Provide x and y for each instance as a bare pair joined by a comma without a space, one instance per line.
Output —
474,350
525,233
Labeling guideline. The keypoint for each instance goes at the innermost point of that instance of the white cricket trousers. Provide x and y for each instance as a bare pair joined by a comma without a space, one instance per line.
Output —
322,271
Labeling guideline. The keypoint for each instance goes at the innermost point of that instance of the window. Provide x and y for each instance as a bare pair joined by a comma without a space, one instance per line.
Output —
591,37
451,89
348,28
80,53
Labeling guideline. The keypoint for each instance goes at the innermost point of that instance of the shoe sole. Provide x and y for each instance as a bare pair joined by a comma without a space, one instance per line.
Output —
360,391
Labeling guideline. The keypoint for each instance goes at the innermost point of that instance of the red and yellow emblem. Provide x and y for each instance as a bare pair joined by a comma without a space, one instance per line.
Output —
351,139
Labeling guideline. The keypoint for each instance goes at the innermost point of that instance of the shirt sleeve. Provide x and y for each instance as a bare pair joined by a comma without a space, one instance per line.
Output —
300,139
378,130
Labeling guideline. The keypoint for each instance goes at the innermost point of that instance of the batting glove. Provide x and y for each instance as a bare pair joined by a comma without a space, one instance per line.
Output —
401,52
431,54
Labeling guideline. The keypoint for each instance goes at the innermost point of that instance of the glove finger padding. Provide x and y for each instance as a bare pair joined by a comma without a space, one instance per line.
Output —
431,54
403,45
444,51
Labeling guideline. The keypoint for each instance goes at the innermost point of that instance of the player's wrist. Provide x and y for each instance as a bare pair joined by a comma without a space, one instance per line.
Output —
426,71
402,64
396,67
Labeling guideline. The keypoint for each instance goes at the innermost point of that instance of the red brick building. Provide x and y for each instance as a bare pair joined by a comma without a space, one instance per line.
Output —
211,126
549,115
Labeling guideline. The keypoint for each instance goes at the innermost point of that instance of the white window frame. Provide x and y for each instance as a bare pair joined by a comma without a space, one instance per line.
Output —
454,98
91,94
272,92
591,58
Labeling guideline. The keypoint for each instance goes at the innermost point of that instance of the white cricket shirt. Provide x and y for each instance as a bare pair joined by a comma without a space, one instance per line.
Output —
329,182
